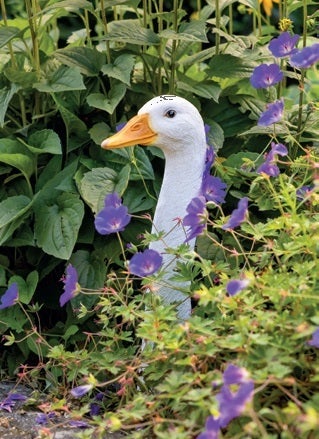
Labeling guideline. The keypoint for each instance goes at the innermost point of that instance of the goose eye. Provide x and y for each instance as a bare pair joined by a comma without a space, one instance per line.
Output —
170,113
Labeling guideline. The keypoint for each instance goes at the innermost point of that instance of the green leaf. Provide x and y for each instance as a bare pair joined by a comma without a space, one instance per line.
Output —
130,31
63,79
44,141
13,153
6,94
8,33
192,31
26,288
12,214
206,89
107,103
230,66
95,185
69,5
121,68
136,199
89,61
57,224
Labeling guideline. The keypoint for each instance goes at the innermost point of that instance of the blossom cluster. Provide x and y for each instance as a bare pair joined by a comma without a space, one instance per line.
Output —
267,75
231,403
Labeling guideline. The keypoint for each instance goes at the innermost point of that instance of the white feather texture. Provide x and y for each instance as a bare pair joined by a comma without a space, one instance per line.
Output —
183,141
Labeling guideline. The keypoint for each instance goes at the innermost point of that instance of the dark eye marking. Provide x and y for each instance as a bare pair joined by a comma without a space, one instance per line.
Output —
170,114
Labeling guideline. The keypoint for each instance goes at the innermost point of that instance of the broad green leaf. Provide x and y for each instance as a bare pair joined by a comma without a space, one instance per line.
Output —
57,224
13,211
63,79
26,288
6,94
192,31
123,179
51,178
13,153
99,132
90,267
215,135
130,31
141,165
121,68
44,141
136,199
230,66
8,33
206,89
69,5
95,185
89,61
20,77
70,331
107,103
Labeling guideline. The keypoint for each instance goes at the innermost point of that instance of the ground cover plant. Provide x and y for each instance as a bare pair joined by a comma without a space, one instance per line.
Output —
75,305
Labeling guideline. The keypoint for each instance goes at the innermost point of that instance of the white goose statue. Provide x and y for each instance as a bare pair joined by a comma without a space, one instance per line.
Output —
174,125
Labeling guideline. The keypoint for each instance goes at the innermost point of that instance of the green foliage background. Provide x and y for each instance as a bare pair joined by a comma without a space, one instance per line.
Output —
70,71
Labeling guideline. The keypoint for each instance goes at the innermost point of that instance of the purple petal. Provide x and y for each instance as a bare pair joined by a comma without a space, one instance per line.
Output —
266,75
214,189
145,263
268,168
113,200
279,149
78,424
79,391
10,297
314,341
238,215
283,45
305,57
211,429
235,286
70,285
112,220
272,114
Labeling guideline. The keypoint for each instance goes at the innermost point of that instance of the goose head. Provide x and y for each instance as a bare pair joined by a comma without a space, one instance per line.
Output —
169,122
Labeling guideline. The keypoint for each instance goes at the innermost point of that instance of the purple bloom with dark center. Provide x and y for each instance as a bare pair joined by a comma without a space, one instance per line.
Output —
214,189
266,75
238,215
80,391
10,401
314,341
71,286
283,45
145,263
305,57
114,217
10,297
269,166
235,286
196,217
272,114
231,401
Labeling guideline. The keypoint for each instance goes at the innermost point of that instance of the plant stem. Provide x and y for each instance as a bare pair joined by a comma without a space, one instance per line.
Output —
174,47
217,35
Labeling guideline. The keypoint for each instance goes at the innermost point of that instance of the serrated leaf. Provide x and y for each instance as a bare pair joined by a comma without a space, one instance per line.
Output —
57,223
95,185
8,33
107,103
230,66
89,61
193,31
6,94
44,141
130,31
121,68
63,79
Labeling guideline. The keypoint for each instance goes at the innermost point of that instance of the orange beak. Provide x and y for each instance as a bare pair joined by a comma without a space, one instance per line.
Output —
136,131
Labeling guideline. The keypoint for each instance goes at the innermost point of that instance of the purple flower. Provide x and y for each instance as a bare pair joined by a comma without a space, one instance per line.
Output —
71,286
113,217
269,167
266,75
235,286
214,189
231,401
45,418
10,297
305,57
283,45
145,263
76,423
10,401
272,114
238,215
79,391
196,217
314,341
304,191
